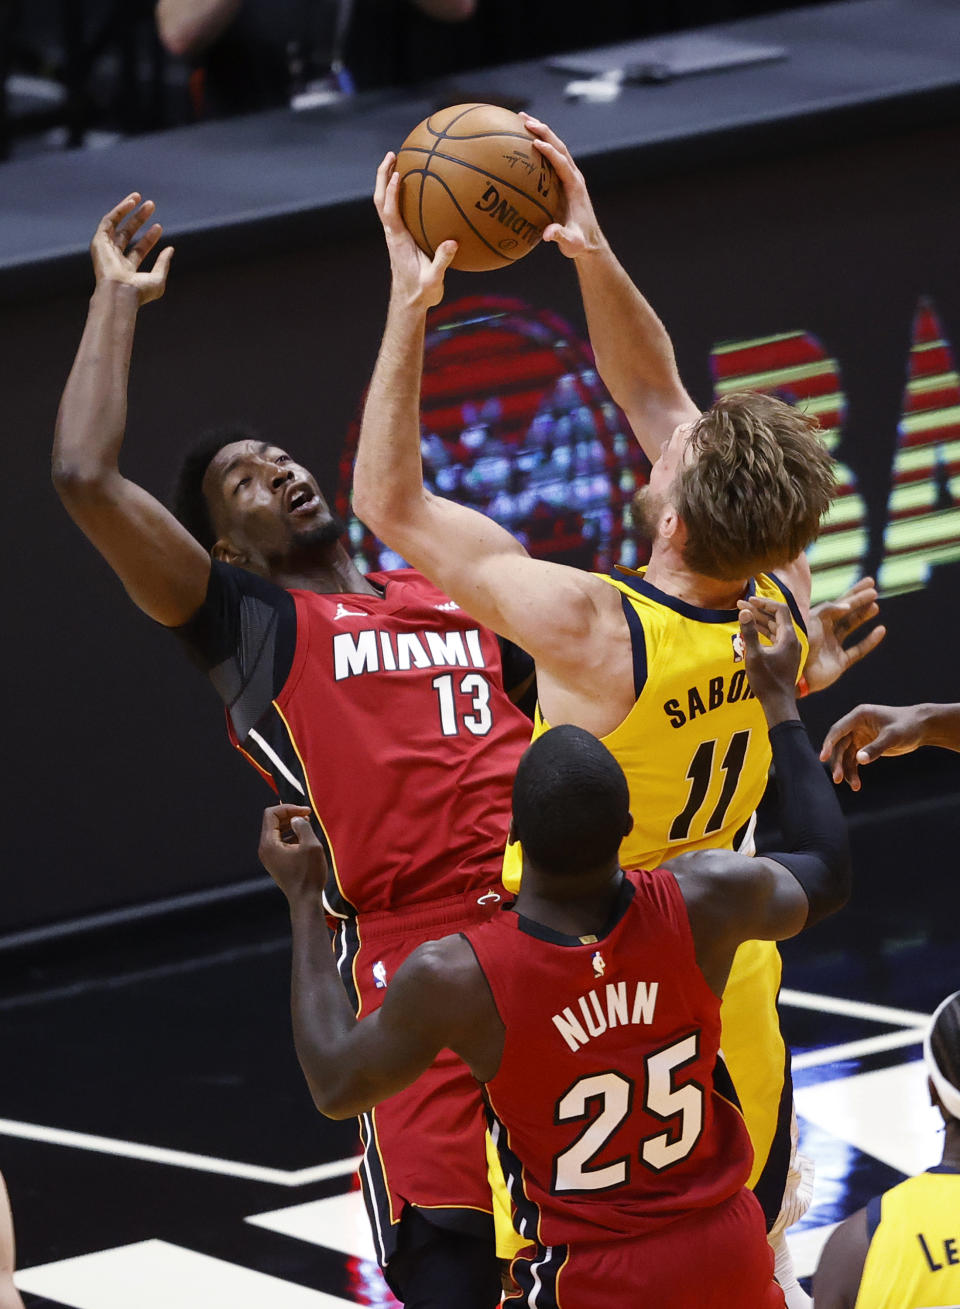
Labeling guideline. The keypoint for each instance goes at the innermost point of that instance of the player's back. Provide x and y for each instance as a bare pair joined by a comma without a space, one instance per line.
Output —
914,1254
603,1108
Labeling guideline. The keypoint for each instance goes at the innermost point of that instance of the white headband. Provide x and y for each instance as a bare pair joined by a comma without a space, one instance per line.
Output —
948,1093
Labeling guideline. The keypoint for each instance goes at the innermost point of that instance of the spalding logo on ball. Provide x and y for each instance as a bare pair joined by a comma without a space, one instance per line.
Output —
472,174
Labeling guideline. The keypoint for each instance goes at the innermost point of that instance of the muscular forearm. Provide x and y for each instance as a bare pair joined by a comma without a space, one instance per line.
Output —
634,353
388,475
93,410
816,848
322,1015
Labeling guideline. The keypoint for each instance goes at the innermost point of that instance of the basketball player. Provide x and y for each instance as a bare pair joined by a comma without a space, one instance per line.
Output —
651,663
374,699
871,730
903,1249
9,1295
590,1011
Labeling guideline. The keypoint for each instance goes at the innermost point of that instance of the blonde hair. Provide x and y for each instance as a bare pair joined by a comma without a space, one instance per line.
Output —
754,486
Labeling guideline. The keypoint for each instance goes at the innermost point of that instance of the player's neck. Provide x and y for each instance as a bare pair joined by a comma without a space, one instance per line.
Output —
951,1144
668,573
333,573
574,906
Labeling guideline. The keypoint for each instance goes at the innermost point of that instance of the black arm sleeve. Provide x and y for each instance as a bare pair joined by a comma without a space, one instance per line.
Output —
814,829
243,636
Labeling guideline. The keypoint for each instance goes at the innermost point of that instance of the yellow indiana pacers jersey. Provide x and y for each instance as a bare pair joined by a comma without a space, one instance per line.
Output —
914,1257
695,752
694,746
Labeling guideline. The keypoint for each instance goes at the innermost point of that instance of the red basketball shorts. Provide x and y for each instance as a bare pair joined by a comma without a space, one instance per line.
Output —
716,1258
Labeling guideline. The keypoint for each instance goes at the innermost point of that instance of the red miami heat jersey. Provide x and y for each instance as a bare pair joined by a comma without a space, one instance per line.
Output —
603,1109
393,724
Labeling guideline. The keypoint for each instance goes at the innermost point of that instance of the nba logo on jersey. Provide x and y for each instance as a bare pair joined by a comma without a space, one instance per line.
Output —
599,967
380,975
737,641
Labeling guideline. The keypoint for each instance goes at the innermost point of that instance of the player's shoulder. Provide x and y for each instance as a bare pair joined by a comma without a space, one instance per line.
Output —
443,968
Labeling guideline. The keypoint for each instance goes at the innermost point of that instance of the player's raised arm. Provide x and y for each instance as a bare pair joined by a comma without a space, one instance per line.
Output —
545,608
164,570
634,352
438,998
732,898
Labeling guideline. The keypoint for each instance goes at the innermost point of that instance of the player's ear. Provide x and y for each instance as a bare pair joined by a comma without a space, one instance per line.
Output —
226,553
512,834
629,827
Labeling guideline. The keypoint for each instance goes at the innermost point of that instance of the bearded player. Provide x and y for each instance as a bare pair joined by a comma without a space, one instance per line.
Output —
651,663
589,1008
328,677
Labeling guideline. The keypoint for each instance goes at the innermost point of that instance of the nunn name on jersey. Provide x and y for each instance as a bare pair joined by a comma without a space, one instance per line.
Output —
615,1005
371,651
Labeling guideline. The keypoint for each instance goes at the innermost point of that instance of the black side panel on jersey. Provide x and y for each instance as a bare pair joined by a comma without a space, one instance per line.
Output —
243,636
791,602
638,645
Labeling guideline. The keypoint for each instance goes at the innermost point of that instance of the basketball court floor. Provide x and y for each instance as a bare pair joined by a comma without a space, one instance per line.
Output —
160,1146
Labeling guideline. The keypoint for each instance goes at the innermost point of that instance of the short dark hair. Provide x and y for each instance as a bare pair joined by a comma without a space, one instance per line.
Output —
945,1041
188,502
571,803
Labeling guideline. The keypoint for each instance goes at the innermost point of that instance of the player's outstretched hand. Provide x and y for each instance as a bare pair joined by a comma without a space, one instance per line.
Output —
122,242
579,233
772,669
866,733
417,278
290,851
829,626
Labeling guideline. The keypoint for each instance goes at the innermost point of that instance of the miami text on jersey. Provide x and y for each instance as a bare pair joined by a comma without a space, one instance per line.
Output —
372,651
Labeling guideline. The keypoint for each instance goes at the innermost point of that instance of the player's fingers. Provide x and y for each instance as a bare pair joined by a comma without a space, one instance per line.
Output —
120,211
162,266
546,134
862,648
849,764
748,630
390,209
383,176
129,228
887,738
303,832
445,253
783,625
566,169
146,243
843,727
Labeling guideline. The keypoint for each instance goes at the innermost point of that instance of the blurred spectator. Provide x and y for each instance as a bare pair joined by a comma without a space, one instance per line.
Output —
251,54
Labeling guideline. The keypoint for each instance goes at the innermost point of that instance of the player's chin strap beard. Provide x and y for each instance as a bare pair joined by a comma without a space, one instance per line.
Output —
948,1093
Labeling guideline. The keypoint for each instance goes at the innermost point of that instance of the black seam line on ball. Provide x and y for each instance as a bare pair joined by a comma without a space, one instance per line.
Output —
466,217
494,177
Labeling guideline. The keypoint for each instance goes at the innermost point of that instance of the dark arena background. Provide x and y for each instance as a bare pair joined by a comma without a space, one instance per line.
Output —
796,227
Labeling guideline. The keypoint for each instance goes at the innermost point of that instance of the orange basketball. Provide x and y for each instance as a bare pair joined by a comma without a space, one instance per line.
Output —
471,173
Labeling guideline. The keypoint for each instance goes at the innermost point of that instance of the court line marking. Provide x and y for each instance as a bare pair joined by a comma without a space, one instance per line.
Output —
155,1154
856,1049
831,1004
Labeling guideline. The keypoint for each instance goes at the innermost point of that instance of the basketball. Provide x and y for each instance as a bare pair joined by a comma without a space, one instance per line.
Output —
471,174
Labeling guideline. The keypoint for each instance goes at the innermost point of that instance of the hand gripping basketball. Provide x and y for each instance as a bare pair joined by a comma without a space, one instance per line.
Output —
473,174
